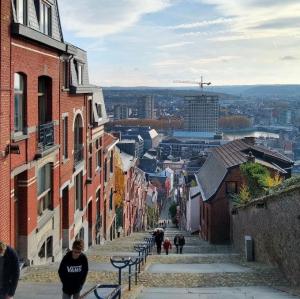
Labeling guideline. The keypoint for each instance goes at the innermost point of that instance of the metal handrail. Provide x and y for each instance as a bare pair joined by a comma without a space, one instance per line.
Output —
115,293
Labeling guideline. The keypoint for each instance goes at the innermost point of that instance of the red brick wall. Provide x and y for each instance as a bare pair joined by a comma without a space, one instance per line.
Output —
5,92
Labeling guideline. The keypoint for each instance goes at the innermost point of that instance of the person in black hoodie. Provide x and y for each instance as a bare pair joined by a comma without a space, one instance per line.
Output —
9,271
73,271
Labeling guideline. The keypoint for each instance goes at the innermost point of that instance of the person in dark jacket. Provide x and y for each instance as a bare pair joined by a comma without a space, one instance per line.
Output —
159,238
9,271
176,243
181,242
73,271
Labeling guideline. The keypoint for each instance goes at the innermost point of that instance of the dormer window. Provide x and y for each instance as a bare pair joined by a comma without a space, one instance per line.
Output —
45,18
99,110
21,11
79,70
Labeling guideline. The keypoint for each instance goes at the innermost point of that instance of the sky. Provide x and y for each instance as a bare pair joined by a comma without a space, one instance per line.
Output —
156,42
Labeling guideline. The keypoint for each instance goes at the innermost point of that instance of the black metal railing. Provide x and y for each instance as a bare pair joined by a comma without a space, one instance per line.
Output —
122,262
114,292
78,153
46,135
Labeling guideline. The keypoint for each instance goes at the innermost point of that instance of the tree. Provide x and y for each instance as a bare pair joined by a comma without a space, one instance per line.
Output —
119,181
234,122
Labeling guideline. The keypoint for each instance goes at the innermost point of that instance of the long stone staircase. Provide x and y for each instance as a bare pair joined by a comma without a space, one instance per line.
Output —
202,271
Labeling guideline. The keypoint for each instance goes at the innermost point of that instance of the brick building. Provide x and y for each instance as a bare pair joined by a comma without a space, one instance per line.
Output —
220,177
51,136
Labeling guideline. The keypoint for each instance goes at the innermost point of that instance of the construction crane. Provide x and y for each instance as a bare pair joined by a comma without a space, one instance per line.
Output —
201,83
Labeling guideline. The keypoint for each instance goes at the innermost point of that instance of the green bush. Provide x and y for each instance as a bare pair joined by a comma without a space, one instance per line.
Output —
256,177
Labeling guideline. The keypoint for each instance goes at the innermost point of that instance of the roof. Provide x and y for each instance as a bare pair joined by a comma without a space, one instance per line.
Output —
153,133
232,154
127,141
109,140
189,134
148,165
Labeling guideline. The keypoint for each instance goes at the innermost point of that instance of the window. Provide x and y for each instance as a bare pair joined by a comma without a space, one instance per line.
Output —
78,139
90,168
98,158
44,182
99,110
231,187
98,203
78,191
91,115
19,101
45,18
65,137
105,170
111,199
45,100
66,73
111,162
79,71
49,247
21,11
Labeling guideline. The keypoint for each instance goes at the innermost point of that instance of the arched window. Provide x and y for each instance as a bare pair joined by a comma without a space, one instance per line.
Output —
19,101
78,139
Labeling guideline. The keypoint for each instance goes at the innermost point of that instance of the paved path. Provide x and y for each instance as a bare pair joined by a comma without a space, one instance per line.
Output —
202,271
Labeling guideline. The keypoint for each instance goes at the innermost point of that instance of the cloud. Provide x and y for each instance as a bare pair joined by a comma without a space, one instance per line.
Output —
203,23
100,18
254,19
288,58
174,45
293,22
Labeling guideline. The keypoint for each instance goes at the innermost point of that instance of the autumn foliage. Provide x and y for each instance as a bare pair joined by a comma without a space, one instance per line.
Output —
119,181
234,122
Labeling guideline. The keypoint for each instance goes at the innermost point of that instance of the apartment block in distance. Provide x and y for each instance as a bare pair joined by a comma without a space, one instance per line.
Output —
201,113
145,107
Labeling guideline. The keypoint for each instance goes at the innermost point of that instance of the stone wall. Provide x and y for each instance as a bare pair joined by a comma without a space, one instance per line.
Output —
274,224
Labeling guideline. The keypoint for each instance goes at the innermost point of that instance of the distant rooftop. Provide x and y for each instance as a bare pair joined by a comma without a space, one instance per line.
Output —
196,135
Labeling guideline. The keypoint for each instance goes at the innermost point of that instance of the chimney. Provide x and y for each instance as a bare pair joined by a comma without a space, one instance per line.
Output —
250,157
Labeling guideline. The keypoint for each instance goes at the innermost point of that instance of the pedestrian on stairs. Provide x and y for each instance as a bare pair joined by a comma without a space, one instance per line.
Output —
159,237
176,243
181,242
73,271
167,245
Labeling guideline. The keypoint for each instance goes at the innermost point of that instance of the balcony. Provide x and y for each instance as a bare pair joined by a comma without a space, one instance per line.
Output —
46,135
78,154
45,139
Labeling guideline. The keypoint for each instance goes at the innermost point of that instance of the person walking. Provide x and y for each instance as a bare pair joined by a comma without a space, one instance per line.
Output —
181,243
73,271
158,240
167,245
9,271
176,243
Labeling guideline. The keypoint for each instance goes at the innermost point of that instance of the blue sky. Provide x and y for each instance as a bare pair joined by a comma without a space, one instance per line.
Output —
154,42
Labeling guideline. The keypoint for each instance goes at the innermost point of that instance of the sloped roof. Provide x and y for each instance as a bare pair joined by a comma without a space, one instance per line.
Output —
234,153
108,140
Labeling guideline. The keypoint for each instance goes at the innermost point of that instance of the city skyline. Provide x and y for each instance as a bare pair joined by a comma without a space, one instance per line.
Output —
154,42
